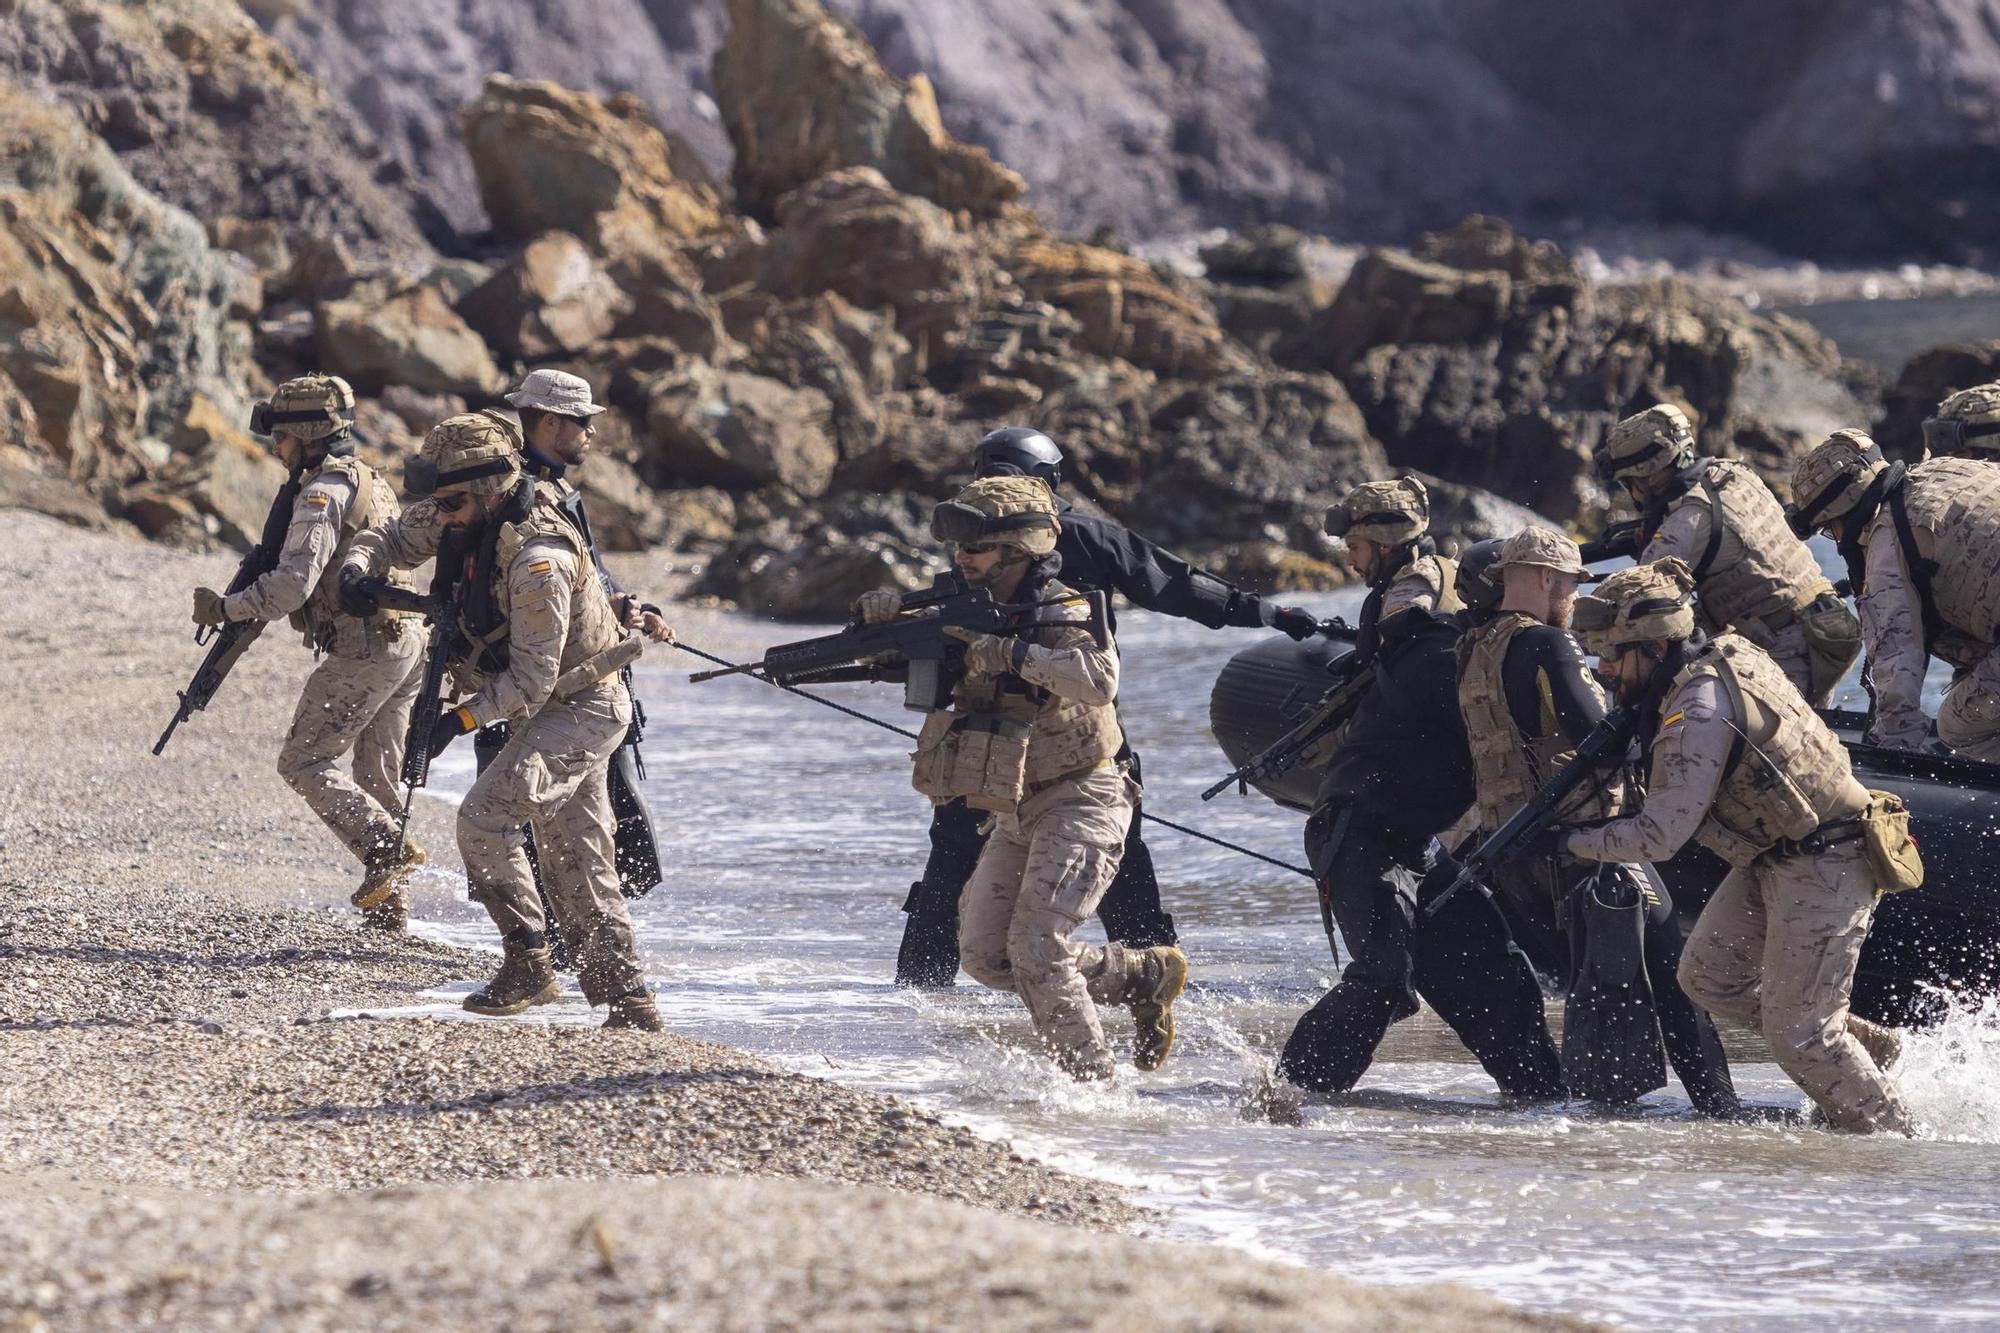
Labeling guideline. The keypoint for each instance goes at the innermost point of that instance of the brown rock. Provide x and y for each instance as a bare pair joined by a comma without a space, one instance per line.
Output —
551,299
807,356
262,242
733,429
698,516
231,483
58,497
802,94
625,513
378,335
1126,309
796,566
549,159
204,424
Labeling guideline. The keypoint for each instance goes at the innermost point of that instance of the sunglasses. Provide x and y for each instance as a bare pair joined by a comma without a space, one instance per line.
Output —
452,501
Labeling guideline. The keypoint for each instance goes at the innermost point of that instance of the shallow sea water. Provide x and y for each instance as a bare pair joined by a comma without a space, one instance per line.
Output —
791,836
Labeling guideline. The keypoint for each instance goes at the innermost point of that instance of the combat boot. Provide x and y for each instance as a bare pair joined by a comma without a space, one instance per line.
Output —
383,873
636,1012
392,915
1161,974
526,978
1883,1044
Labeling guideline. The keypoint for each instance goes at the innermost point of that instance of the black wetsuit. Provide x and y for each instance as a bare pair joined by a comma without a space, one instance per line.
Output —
1097,554
1401,776
1545,663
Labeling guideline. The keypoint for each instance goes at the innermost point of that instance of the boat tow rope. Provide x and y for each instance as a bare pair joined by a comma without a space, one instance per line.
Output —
911,735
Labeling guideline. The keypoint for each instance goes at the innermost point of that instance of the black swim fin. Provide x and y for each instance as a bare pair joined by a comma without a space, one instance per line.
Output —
1611,1034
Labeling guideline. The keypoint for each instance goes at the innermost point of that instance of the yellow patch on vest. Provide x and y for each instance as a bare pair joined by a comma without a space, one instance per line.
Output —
1666,722
541,567
316,501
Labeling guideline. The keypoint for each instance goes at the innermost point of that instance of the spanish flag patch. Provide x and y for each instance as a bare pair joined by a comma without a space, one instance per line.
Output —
316,501
1668,721
541,567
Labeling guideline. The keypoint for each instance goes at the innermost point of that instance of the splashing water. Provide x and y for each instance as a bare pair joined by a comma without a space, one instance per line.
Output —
1950,1073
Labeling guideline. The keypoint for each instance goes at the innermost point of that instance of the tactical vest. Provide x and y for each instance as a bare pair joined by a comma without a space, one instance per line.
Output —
1786,773
1437,575
1508,768
320,620
1752,574
595,636
1952,550
1003,738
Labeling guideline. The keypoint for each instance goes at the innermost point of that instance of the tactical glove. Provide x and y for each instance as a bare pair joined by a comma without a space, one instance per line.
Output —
988,654
1295,621
875,608
358,595
208,607
449,727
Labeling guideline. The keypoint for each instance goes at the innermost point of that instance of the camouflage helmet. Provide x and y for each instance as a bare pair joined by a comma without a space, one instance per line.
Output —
1659,439
1012,511
1474,583
1642,602
1389,512
1967,424
470,452
1545,547
1831,479
310,407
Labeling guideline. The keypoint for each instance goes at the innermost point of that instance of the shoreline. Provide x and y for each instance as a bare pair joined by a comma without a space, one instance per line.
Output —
188,1136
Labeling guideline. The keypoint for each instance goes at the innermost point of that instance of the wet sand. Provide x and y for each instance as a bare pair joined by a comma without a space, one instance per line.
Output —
191,1133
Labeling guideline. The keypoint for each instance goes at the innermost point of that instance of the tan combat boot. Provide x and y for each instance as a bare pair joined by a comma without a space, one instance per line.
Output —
636,1012
1162,973
526,978
383,873
1884,1045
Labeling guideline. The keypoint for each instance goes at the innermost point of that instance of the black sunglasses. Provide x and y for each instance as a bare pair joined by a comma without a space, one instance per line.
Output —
452,501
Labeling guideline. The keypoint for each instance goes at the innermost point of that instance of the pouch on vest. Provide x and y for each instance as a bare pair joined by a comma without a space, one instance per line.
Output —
1885,836
1833,641
982,757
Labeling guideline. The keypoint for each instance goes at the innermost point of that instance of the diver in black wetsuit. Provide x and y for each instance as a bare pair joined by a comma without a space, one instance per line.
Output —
1096,553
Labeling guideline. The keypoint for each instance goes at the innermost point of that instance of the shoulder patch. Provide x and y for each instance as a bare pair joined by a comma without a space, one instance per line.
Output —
541,567
1672,718
316,501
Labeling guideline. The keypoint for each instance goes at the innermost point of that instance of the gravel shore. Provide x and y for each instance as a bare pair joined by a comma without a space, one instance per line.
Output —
189,1135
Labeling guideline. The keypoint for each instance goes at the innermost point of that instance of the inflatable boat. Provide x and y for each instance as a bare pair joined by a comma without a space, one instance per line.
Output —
1943,937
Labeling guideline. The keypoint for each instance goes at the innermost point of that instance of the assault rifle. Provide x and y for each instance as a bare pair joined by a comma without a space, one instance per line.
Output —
227,643
1618,539
434,608
1605,741
1351,680
914,648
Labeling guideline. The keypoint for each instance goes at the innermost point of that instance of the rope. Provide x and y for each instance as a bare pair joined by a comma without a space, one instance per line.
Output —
911,735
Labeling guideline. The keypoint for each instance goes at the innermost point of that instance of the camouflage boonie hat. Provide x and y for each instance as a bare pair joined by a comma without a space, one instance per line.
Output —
1013,511
1828,482
1389,512
312,407
470,452
1967,422
1653,601
1540,546
555,391
1659,439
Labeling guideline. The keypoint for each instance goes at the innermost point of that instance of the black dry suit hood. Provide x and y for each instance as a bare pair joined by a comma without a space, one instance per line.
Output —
1856,520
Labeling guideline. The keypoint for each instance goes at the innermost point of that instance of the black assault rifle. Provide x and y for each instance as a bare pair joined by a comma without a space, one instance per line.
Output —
1351,680
1607,740
227,643
915,649
1620,538
435,608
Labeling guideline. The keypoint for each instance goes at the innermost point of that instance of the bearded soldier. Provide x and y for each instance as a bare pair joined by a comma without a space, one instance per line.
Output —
1967,425
1528,699
1751,573
1033,738
533,641
1922,545
1739,762
358,697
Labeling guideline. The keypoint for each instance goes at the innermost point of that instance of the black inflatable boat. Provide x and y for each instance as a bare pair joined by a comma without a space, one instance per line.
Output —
1945,935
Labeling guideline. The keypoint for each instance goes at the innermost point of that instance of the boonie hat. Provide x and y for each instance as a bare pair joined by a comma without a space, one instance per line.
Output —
1545,547
555,391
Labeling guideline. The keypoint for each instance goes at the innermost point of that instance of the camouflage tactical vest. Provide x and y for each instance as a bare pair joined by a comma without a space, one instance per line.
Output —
1436,575
1954,510
1062,737
1508,768
1787,774
320,620
1755,574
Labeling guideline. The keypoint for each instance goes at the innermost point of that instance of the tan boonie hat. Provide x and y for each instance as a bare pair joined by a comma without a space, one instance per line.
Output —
1967,422
312,407
555,391
1659,439
1540,546
1389,512
469,452
1653,601
1013,511
1830,479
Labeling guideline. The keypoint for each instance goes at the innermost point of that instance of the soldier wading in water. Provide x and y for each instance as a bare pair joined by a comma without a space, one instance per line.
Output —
1032,737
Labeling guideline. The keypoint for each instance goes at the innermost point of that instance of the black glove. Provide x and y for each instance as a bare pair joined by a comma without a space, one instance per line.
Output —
1296,621
358,594
450,725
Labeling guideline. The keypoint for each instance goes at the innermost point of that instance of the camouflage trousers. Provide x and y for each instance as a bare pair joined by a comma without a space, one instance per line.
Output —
1041,875
1776,949
552,774
1968,719
360,704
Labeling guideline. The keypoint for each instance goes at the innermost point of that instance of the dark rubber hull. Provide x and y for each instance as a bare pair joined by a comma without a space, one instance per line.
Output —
1945,935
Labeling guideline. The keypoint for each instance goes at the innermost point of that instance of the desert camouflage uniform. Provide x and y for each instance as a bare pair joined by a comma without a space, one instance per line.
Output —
1776,947
552,771
1421,584
1048,862
359,695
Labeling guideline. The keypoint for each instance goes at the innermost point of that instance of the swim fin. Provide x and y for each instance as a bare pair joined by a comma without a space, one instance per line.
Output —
1611,1048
